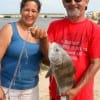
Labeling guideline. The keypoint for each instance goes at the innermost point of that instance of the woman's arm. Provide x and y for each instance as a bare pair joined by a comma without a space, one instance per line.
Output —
41,34
5,38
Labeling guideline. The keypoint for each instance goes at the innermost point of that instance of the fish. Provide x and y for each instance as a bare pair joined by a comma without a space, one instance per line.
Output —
61,67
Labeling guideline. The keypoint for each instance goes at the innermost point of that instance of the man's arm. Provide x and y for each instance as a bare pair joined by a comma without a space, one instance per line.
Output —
90,73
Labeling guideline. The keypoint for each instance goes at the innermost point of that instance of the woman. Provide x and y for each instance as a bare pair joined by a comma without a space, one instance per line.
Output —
22,47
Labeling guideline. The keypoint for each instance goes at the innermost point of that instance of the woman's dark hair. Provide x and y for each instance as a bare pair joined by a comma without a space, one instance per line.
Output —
23,2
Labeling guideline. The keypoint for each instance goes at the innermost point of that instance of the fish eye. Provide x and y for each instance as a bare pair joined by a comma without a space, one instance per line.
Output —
56,50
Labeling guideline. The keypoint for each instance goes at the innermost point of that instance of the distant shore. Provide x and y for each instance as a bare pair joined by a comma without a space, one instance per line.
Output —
44,15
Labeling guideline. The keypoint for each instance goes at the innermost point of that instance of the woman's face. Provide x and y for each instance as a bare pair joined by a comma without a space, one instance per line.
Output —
29,13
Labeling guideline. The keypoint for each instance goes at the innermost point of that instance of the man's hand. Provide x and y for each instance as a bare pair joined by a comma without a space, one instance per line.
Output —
71,93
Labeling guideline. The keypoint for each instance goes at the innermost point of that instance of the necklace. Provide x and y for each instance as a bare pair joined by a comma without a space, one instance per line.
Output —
18,67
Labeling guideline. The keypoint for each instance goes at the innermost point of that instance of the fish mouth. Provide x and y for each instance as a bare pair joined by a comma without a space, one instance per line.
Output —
56,61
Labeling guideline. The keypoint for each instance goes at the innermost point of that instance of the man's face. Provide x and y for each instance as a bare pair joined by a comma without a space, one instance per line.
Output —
75,8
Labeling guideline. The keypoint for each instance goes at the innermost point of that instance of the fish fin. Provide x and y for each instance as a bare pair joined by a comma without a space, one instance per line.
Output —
48,73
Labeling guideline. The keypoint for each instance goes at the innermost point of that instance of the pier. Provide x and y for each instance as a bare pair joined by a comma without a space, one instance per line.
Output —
44,15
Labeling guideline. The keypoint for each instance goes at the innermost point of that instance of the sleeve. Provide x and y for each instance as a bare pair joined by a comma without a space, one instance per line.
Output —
94,48
51,32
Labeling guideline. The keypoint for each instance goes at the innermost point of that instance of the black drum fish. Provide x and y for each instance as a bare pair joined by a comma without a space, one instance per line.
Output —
61,67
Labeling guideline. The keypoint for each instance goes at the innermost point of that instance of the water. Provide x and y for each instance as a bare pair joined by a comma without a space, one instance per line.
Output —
41,22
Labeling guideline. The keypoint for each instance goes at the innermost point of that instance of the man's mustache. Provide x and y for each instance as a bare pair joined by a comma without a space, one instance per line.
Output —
73,7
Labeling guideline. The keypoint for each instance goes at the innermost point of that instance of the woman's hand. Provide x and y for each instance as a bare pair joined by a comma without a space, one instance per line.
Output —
2,94
38,33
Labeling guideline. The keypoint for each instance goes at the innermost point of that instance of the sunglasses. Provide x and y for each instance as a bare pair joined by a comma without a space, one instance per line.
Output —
68,1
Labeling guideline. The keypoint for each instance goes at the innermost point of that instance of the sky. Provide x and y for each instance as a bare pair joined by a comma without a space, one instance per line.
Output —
48,6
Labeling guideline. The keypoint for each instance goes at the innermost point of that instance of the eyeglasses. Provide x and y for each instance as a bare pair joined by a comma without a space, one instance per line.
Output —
68,1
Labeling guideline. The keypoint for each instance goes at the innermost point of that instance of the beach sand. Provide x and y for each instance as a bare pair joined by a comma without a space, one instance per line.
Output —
44,83
97,86
43,86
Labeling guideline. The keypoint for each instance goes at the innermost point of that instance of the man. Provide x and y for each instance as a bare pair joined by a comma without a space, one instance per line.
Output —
80,37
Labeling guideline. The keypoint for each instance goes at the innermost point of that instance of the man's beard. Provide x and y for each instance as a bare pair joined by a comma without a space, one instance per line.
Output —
73,13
